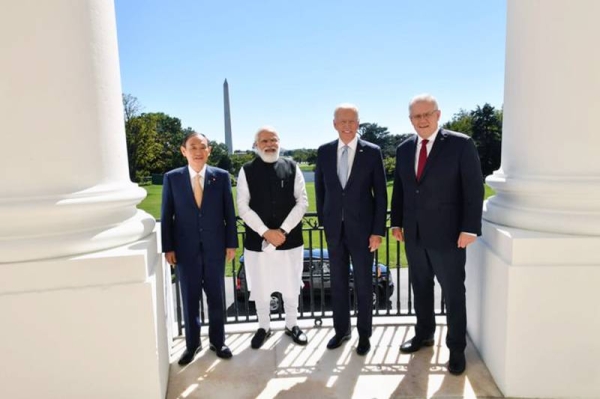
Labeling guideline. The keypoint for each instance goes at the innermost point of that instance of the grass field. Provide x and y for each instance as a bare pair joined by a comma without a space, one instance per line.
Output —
151,204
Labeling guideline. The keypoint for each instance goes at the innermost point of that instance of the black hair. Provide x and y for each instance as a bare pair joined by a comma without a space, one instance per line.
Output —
192,134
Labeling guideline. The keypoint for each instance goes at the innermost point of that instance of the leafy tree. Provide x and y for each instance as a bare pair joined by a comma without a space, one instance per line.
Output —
461,122
484,125
380,135
219,156
487,134
304,155
144,147
238,160
131,106
389,164
376,134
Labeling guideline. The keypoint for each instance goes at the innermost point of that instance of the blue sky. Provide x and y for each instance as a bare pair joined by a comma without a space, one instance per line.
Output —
289,64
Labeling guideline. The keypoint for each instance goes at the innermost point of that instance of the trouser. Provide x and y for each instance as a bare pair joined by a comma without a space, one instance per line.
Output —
448,266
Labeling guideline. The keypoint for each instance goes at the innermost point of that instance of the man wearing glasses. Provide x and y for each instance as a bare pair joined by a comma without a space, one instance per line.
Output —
436,206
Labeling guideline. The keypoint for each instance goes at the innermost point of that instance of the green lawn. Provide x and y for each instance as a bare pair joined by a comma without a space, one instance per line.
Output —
306,168
151,204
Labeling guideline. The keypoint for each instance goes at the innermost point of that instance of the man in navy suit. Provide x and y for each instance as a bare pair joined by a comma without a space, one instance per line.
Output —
436,209
198,234
351,199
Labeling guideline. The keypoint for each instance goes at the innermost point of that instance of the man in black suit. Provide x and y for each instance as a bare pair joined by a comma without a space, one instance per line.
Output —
436,209
351,199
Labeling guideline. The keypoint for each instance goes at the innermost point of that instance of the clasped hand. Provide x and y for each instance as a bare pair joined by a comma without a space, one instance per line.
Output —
274,237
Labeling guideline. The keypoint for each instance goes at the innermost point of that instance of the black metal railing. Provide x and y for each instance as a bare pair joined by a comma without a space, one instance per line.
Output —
392,292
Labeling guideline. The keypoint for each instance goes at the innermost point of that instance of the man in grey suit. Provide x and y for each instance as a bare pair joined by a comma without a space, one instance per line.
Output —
436,209
351,199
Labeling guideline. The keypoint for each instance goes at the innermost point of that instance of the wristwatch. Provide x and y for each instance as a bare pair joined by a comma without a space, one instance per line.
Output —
283,231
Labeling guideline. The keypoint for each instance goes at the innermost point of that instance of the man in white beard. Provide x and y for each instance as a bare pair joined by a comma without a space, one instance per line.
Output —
271,199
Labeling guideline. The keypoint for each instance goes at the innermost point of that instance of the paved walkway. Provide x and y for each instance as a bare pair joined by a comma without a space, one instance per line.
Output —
282,369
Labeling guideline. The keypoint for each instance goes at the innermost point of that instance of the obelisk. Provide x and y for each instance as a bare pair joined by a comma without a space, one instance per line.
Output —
228,141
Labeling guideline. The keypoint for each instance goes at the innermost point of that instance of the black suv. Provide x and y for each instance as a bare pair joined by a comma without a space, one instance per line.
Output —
316,278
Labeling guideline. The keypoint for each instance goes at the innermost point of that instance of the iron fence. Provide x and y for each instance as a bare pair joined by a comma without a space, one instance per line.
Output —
392,292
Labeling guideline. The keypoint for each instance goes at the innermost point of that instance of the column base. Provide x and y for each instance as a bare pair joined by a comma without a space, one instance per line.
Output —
569,205
532,313
91,326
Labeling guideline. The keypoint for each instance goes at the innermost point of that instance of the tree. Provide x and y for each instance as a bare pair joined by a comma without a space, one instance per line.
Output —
131,106
219,156
487,134
379,135
461,122
144,148
484,125
239,159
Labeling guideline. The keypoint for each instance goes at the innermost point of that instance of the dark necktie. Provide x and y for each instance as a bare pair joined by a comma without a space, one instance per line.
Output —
422,159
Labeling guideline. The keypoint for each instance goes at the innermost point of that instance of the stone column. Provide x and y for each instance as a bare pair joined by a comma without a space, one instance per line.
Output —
63,160
81,286
550,175
533,276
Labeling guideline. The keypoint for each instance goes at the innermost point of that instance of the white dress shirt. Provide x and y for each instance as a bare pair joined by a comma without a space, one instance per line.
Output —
193,174
351,153
429,146
254,221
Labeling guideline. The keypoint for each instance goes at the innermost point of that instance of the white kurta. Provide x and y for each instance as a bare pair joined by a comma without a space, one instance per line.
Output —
276,271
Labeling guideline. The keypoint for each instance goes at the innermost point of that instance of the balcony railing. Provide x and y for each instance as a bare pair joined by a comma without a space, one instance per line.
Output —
392,292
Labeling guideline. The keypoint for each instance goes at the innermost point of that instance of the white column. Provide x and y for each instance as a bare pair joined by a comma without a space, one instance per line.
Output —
532,278
82,285
550,175
63,160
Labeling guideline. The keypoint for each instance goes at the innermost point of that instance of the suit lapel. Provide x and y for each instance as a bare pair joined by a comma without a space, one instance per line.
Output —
208,179
438,146
333,155
187,185
412,154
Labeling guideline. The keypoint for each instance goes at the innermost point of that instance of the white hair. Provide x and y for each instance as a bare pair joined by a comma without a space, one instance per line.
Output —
345,106
266,128
423,98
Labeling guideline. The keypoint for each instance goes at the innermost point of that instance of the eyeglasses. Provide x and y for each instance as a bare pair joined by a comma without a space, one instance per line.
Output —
426,115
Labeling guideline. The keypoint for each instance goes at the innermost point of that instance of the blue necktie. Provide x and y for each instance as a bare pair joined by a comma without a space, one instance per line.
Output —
343,166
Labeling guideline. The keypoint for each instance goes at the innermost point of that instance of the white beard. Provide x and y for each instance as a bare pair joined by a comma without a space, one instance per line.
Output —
268,157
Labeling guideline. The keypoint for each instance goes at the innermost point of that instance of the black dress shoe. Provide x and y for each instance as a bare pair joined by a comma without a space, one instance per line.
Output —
457,363
260,337
188,356
297,335
364,346
415,344
223,352
338,340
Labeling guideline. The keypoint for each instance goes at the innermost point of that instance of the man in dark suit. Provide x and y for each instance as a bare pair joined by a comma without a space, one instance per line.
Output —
436,209
351,199
198,230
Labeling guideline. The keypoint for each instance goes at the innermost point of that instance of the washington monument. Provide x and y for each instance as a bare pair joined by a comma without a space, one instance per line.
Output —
228,141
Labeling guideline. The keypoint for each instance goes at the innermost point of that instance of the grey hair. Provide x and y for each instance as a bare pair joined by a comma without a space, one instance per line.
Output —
265,128
423,98
345,106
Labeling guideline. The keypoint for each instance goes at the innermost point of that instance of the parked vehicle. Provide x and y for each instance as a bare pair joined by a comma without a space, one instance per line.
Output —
316,279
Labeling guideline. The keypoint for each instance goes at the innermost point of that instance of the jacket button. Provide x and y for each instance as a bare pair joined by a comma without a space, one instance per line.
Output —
417,191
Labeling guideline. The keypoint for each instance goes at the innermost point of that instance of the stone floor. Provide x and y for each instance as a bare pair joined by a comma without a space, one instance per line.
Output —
281,369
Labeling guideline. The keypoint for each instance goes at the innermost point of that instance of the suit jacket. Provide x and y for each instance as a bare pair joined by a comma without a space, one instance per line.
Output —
363,202
447,200
184,226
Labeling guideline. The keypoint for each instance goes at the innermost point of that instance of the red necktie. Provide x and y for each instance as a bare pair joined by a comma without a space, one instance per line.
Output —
422,159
